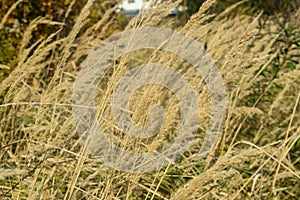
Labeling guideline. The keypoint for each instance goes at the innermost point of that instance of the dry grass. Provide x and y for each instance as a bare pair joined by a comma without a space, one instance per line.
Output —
43,157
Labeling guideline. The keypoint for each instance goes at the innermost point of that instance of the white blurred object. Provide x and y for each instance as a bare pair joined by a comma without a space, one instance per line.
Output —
134,7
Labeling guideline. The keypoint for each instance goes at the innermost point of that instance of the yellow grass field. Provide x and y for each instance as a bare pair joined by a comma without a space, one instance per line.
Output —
50,148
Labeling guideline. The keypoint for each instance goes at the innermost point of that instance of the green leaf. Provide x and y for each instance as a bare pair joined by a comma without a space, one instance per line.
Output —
291,66
286,32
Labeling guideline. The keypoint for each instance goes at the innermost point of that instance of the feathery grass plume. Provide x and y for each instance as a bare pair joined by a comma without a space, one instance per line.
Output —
237,52
230,9
10,10
206,181
39,134
25,64
285,146
154,15
69,9
28,33
33,64
4,67
92,38
199,15
4,173
81,20
289,82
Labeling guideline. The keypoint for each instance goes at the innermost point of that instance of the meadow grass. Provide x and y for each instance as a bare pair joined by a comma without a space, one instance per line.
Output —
43,157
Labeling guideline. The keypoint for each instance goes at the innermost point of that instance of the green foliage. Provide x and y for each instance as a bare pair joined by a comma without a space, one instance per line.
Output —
270,7
288,55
